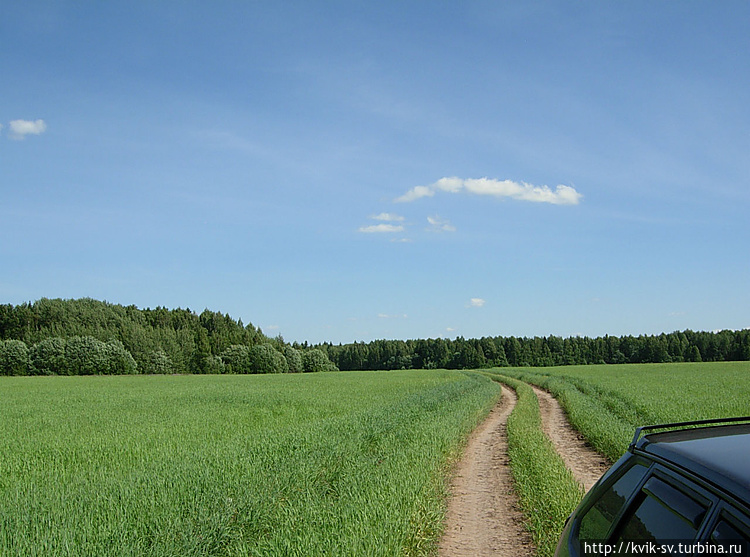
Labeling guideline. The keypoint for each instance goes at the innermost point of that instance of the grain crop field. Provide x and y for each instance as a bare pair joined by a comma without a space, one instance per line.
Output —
607,402
335,464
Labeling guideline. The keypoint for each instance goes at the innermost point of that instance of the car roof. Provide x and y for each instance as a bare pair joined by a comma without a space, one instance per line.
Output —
718,454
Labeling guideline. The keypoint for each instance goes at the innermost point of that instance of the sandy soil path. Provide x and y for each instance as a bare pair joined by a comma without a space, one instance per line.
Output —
586,464
483,514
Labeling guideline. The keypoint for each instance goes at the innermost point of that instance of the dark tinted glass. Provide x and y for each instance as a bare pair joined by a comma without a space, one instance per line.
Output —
597,521
725,531
732,536
662,512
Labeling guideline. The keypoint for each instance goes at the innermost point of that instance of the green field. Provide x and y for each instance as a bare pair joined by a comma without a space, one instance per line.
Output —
607,402
313,464
350,463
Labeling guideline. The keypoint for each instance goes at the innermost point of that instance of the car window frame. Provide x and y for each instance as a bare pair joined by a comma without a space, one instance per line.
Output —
613,478
679,482
674,478
727,512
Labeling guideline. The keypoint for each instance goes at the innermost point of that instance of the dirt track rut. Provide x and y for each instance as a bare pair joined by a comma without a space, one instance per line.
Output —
483,515
586,464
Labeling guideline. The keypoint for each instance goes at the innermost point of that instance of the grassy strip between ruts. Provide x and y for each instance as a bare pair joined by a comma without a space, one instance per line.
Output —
603,418
547,491
314,464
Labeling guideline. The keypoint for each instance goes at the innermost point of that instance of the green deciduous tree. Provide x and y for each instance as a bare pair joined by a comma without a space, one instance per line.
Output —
47,357
266,359
119,360
316,360
214,364
14,357
85,356
237,359
694,354
159,363
293,359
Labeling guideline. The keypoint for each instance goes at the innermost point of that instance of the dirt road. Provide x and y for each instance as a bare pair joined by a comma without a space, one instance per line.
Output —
586,464
483,515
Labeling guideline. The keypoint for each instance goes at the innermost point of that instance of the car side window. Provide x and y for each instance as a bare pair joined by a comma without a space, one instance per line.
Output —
661,511
597,521
732,534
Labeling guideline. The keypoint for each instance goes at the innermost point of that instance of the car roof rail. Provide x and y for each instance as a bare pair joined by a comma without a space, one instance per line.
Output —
639,430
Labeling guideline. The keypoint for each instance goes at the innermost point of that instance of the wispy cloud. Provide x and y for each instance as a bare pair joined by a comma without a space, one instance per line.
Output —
19,129
439,225
520,191
477,302
389,217
392,316
228,140
415,193
388,224
382,228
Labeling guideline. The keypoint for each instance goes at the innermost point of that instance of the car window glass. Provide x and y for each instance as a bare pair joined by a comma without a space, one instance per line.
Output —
662,512
597,521
732,536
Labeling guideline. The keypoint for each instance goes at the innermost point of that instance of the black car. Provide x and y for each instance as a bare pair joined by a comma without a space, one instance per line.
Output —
683,491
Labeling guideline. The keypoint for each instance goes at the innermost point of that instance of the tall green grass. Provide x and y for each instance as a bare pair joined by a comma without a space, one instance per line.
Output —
606,403
547,490
323,464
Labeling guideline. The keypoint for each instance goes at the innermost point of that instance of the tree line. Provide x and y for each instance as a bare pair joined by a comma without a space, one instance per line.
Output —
86,337
461,353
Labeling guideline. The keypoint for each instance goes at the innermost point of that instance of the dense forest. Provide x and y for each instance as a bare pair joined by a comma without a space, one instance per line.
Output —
685,346
85,336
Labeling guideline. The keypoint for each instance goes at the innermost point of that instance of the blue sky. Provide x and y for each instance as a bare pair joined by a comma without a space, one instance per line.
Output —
341,171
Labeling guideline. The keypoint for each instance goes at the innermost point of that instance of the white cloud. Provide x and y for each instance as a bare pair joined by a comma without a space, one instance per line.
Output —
19,129
390,217
385,227
416,193
381,228
521,191
452,185
395,316
439,225
477,302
